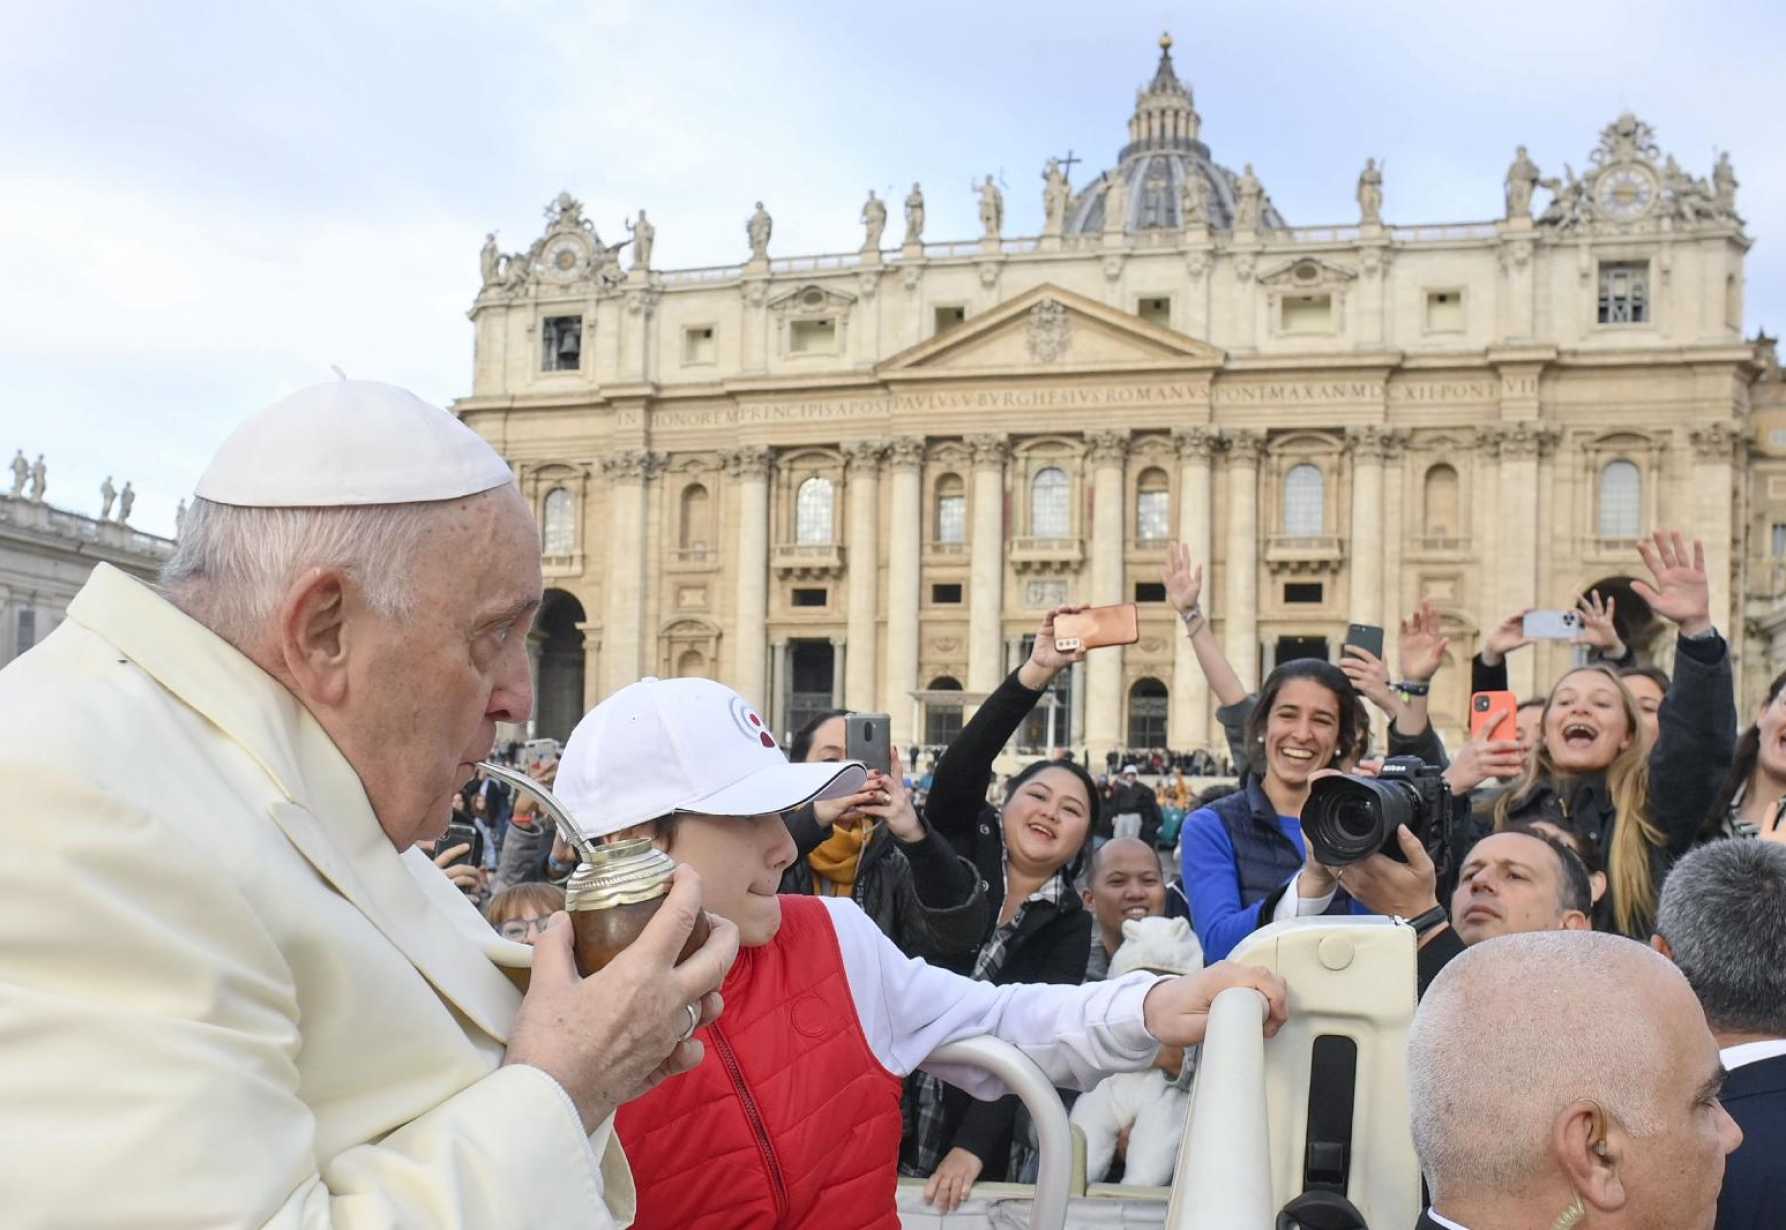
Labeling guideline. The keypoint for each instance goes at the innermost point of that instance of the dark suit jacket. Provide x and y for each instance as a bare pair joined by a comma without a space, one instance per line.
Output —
1754,1196
1427,1223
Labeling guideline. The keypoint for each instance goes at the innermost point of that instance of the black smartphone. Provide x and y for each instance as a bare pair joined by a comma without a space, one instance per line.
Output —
868,737
464,835
1368,637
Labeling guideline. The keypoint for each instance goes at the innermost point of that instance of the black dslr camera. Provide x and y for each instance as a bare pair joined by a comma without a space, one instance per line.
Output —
1349,818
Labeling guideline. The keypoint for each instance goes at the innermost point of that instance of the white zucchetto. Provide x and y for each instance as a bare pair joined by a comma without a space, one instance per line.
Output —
349,443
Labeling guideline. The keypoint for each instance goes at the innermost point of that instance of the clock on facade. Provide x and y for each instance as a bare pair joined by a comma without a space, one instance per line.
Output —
565,259
1625,192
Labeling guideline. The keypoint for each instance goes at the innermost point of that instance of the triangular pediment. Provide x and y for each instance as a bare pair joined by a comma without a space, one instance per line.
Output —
1048,329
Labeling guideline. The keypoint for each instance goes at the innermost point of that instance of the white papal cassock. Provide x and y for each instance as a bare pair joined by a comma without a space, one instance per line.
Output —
225,999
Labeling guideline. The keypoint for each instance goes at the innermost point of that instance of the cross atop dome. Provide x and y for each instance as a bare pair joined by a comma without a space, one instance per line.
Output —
1165,77
1165,117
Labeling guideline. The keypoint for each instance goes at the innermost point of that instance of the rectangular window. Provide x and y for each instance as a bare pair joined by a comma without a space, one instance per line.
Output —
951,519
1778,552
1444,311
1153,511
1624,292
812,337
1045,594
1303,591
1307,313
1156,310
1150,591
946,595
562,340
948,317
811,597
28,629
697,345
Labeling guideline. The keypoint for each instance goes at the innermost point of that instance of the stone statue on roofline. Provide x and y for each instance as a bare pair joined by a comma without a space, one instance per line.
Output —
107,493
1522,181
914,215
1370,194
874,222
1056,193
489,260
1249,200
758,228
992,208
126,502
21,473
644,234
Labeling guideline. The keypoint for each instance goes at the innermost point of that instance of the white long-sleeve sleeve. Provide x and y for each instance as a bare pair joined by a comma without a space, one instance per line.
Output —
1291,906
908,1009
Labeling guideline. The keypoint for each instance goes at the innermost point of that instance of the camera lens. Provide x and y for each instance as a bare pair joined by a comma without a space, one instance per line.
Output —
1350,818
1481,704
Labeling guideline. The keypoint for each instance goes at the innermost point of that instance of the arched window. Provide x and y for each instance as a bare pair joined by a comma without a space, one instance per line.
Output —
1440,503
696,529
814,505
951,509
558,533
1621,500
1153,507
1305,504
1050,515
1148,707
942,720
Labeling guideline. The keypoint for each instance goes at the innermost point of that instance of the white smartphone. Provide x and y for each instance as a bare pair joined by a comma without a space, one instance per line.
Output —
1552,625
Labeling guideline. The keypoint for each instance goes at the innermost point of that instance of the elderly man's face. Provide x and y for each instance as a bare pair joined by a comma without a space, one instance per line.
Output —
425,693
1672,1177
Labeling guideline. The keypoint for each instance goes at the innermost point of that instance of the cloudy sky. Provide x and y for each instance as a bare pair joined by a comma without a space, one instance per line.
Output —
203,206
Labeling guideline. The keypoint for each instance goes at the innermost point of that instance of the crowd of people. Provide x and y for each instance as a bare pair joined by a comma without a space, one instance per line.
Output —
229,946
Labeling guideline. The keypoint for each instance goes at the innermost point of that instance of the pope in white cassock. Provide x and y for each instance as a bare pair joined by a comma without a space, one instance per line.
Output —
231,992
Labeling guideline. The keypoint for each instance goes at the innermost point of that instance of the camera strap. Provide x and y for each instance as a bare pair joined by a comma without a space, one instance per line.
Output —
1327,1149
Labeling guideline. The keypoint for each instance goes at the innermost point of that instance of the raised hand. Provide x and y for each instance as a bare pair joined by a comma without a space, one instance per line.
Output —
1682,591
1369,675
1184,580
1046,661
1477,761
1597,627
1505,637
890,801
1422,644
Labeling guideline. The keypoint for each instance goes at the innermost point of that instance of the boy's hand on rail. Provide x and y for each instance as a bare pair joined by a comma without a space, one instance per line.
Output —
1176,1011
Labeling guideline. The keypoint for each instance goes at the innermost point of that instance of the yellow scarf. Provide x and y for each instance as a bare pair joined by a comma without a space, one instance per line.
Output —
835,859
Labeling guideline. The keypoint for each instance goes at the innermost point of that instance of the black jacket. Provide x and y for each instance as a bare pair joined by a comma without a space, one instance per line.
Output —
1051,945
1695,744
1754,1195
1138,799
924,897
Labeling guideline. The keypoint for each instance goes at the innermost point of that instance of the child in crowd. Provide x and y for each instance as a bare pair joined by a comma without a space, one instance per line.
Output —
792,1118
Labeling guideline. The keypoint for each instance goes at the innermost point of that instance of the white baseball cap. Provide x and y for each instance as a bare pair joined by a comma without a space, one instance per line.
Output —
1129,770
660,746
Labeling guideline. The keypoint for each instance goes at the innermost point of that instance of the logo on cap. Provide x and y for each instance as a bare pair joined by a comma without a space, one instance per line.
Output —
750,725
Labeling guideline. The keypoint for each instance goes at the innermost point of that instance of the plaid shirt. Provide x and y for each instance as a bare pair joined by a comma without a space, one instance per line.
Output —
925,1118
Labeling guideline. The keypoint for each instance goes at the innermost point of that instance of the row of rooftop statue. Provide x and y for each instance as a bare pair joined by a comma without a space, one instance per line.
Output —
31,479
1619,186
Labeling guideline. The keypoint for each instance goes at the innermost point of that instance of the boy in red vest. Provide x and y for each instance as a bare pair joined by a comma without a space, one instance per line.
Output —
792,1117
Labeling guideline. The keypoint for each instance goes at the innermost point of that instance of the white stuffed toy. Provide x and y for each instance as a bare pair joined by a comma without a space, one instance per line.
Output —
1149,1105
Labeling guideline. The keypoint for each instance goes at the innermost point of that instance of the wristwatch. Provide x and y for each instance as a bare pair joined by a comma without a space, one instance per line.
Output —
1423,923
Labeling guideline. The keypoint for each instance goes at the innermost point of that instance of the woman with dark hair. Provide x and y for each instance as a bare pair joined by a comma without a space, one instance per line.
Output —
1757,777
1640,803
1647,685
1028,852
1242,853
879,852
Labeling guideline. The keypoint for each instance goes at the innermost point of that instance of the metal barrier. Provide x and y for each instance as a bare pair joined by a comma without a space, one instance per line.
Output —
1224,1161
1053,1136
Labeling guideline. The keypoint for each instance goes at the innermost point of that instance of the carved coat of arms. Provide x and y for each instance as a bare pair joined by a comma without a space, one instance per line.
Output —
1050,331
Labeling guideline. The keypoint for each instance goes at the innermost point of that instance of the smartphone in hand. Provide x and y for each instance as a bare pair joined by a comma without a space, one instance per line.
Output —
1368,637
868,737
464,835
1097,627
1551,625
1494,716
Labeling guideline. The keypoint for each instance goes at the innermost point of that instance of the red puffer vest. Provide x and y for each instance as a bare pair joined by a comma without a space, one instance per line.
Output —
790,1121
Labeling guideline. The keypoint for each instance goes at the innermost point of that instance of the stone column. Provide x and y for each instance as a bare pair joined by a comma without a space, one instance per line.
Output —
1240,611
1364,555
1188,725
840,656
864,461
986,604
1105,452
592,657
750,468
904,547
1519,444
628,472
1714,448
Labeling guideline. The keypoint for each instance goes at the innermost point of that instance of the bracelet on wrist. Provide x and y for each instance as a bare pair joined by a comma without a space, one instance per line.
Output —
1410,688
1192,618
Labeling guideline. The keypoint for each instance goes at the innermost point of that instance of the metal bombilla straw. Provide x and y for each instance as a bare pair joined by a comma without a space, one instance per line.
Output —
553,808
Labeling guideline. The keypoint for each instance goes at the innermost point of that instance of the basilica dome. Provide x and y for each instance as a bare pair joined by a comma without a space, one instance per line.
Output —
1163,149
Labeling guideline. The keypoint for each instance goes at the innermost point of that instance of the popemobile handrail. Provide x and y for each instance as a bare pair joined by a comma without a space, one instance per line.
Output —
1223,1180
1054,1139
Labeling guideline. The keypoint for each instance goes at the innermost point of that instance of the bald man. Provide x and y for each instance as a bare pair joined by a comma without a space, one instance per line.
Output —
1125,882
1566,1079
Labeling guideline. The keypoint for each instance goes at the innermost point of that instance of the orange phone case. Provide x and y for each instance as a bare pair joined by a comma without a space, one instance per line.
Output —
1097,627
1494,716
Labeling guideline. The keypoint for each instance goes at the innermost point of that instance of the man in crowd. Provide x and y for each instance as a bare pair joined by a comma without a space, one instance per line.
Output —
1124,883
235,994
1566,1079
1129,797
1723,920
